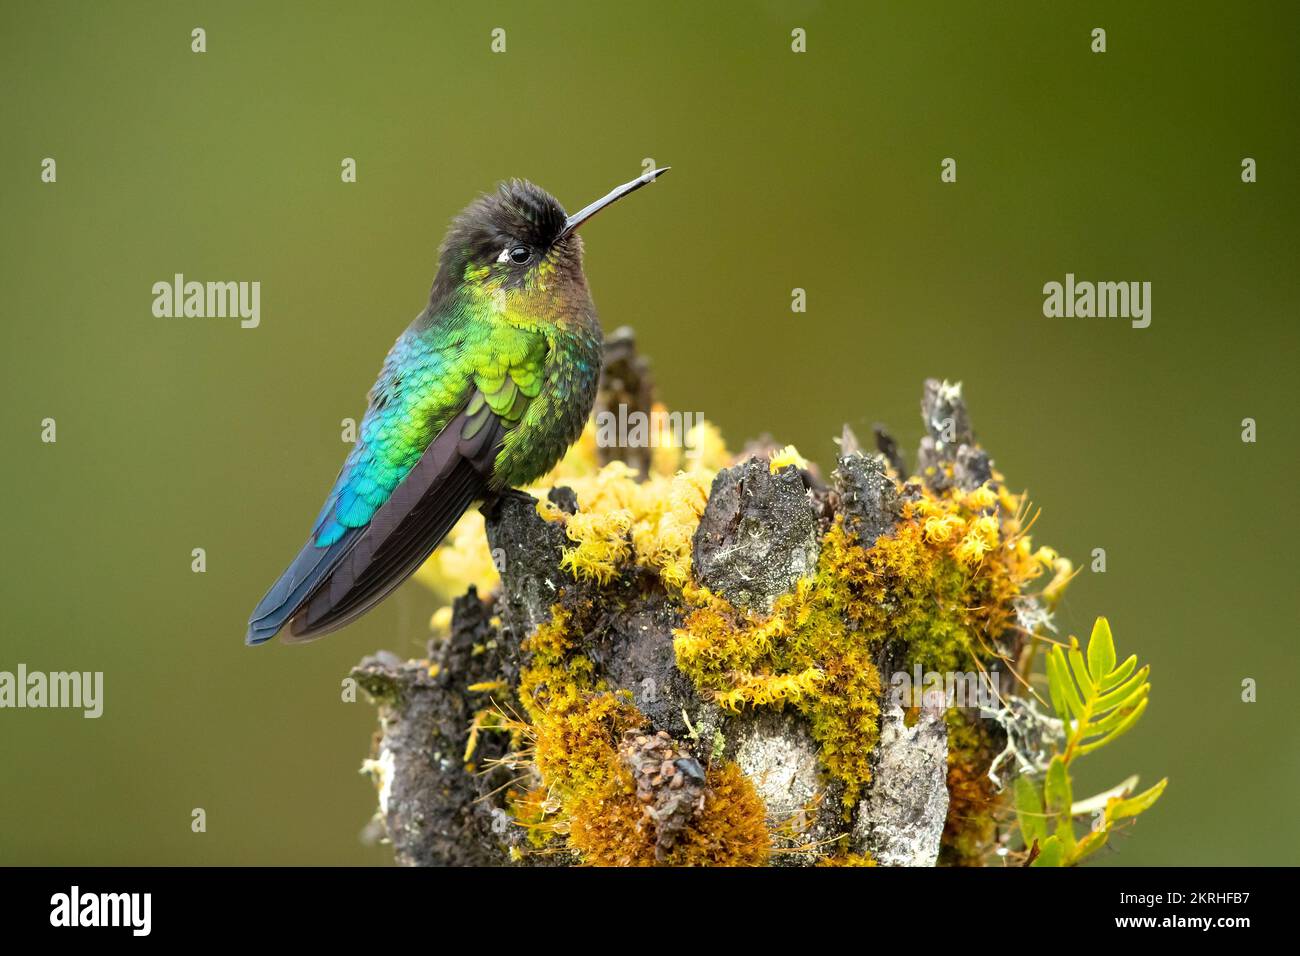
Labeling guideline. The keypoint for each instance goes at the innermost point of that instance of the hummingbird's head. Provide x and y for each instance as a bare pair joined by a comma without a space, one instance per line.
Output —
519,242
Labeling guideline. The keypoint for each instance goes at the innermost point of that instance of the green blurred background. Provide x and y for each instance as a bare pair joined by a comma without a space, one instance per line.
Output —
818,170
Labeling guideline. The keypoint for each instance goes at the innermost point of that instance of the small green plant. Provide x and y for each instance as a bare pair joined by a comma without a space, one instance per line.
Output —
1097,702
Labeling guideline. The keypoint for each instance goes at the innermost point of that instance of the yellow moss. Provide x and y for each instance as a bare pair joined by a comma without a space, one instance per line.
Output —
620,520
945,582
847,859
487,719
660,514
939,589
609,826
602,544
789,455
804,655
763,690
981,537
575,719
536,811
1063,572
941,529
575,722
588,793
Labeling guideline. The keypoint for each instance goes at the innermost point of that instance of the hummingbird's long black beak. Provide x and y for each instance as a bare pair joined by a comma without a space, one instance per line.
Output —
614,195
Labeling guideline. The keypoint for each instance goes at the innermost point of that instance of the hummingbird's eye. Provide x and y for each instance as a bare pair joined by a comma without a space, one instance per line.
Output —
520,254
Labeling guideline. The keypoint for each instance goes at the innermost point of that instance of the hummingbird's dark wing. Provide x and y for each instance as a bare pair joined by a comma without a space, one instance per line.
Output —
357,554
452,474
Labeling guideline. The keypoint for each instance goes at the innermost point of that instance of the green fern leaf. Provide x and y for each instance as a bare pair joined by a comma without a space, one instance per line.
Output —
1118,808
1058,672
1098,701
1090,844
1125,693
1055,689
1119,674
1101,650
1050,853
1119,715
1059,799
1029,811
1080,670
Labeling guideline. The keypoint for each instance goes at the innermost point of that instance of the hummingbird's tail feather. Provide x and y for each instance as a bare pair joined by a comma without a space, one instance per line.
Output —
286,596
374,568
326,588
449,477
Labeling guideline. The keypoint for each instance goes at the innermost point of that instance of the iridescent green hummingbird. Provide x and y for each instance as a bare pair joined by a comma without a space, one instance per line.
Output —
484,392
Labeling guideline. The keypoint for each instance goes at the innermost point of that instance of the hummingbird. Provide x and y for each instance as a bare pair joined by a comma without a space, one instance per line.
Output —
482,394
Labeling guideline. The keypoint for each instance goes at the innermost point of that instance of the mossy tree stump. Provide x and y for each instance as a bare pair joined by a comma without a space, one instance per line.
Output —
697,662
